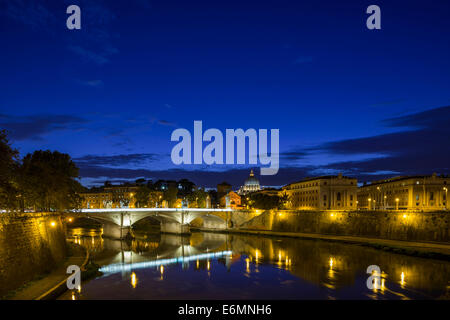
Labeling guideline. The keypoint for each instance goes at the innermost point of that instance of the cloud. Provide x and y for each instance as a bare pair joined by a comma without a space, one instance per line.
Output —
235,177
31,13
433,119
116,160
421,148
93,43
92,83
34,126
293,155
88,55
166,123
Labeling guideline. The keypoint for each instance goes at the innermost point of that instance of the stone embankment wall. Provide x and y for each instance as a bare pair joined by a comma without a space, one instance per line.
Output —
395,225
31,244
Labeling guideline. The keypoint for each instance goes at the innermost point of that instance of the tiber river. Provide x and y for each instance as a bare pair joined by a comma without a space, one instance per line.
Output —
220,266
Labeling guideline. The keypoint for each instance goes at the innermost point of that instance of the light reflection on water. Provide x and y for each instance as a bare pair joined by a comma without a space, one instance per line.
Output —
218,266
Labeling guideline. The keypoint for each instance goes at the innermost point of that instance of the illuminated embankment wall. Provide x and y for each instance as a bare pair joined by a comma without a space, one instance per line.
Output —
31,244
395,225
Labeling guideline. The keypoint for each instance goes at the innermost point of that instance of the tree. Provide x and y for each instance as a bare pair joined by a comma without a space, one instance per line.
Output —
154,198
170,195
284,201
197,199
8,167
140,181
142,196
264,201
48,181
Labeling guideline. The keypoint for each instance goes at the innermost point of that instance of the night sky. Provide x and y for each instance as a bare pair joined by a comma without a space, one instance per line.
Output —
367,103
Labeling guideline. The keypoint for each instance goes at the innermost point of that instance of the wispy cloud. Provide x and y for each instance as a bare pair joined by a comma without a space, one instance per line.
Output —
31,13
117,160
35,126
99,58
166,123
421,148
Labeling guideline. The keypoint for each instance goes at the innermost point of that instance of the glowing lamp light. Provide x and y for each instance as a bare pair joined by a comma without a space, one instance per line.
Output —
405,216
70,219
402,279
53,224
133,280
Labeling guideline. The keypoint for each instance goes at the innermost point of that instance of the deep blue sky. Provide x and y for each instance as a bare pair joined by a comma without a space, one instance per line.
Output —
368,103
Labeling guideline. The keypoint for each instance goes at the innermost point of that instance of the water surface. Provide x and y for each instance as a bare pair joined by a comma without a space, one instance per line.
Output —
219,266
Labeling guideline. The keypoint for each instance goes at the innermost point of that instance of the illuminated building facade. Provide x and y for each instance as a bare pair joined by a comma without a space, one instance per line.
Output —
408,193
230,200
121,196
322,193
96,200
251,184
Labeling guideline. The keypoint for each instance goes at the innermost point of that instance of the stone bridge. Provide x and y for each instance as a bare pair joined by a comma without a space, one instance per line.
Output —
117,222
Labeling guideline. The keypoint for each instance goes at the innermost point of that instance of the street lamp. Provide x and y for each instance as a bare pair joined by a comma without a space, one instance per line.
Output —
396,203
385,205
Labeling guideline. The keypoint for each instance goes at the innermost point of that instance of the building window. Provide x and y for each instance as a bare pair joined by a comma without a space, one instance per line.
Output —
417,197
431,195
324,197
338,196
351,197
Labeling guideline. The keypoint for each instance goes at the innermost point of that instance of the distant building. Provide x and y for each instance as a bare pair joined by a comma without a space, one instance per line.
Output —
96,200
322,193
251,184
120,196
407,192
230,200
223,189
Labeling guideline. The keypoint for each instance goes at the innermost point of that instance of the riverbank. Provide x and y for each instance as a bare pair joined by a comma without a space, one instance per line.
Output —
431,250
51,285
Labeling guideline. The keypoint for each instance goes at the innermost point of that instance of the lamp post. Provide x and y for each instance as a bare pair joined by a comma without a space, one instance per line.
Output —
370,202
385,197
396,203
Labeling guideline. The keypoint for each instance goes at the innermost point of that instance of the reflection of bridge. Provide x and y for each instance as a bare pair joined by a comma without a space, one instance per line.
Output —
117,222
121,267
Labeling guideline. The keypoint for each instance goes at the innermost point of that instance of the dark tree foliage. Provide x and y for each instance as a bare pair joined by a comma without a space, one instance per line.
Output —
47,181
8,168
264,201
197,198
142,196
170,195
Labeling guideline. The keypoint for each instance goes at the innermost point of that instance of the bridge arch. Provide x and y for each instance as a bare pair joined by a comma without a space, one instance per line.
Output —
117,222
